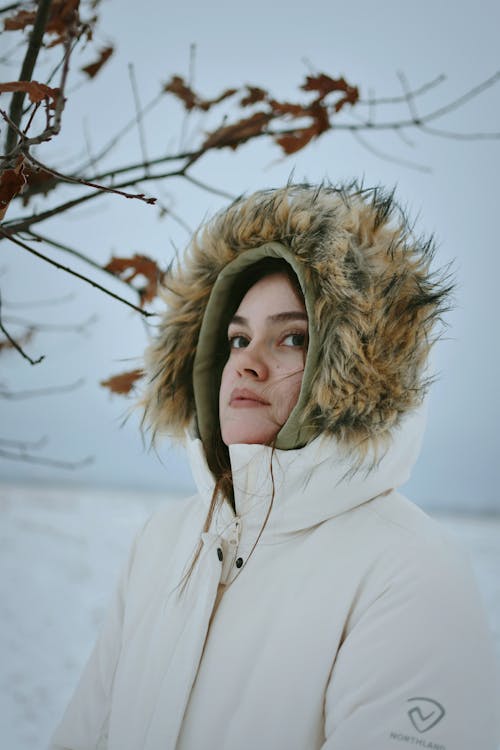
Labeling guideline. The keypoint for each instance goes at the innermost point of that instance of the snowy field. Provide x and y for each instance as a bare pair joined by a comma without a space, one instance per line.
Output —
60,553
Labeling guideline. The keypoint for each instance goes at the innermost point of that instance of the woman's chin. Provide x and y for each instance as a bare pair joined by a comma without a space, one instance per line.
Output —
234,434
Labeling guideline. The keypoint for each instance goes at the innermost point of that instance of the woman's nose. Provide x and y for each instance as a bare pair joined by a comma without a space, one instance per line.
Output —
252,362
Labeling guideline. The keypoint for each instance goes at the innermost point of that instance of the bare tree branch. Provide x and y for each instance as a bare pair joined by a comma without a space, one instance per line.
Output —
208,188
15,344
36,36
77,254
389,157
40,303
81,181
374,101
409,96
124,130
8,8
36,392
138,115
55,327
30,459
24,444
75,273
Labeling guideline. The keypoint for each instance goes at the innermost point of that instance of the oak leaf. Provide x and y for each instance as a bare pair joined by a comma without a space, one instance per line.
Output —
191,100
325,85
129,269
123,383
239,132
37,92
93,68
12,182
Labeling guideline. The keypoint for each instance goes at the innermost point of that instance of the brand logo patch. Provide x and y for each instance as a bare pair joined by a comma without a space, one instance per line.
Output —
425,713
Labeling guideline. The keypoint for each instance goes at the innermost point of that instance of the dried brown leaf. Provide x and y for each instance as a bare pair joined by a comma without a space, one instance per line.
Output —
206,104
12,182
63,14
93,68
138,265
254,95
239,132
124,382
182,91
325,85
19,20
295,141
37,92
191,100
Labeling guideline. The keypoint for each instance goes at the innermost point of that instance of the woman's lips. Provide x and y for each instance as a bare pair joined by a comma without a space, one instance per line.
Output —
244,398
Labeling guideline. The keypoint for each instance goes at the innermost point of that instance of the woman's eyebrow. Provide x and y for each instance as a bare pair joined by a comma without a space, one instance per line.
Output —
276,318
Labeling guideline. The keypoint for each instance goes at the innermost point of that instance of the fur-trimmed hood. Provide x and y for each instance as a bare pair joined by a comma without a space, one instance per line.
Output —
371,297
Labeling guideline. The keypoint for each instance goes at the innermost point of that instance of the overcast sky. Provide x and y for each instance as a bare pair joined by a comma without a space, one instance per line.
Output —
272,45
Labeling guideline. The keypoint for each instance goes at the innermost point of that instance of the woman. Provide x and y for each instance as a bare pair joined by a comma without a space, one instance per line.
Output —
298,601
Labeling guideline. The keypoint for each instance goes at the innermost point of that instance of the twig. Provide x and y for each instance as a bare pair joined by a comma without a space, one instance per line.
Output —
87,183
8,8
88,144
452,135
75,273
121,133
36,36
28,458
146,165
20,225
192,64
166,211
389,157
371,101
71,46
409,98
138,114
461,100
77,254
208,188
35,392
23,444
15,344
56,327
40,303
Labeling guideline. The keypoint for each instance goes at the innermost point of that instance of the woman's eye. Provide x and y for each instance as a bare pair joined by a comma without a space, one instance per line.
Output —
238,342
295,339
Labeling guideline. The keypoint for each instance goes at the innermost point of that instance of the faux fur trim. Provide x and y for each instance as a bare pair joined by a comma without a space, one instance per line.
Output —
376,305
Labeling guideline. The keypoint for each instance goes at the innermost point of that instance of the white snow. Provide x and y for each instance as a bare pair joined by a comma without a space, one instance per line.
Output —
60,554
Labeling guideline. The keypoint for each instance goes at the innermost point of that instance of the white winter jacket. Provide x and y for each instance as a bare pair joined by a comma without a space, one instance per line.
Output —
352,625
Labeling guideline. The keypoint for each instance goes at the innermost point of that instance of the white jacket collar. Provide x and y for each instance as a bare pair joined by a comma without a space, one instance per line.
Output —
311,484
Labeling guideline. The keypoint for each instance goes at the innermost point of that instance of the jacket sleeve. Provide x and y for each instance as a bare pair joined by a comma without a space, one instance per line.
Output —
84,725
417,666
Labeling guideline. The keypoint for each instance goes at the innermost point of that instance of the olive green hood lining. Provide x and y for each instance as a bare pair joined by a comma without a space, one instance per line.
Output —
208,364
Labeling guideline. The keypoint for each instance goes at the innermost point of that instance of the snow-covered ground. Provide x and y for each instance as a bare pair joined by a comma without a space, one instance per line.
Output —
60,553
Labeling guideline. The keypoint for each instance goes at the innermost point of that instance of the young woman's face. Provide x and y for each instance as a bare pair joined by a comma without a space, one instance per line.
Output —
267,348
